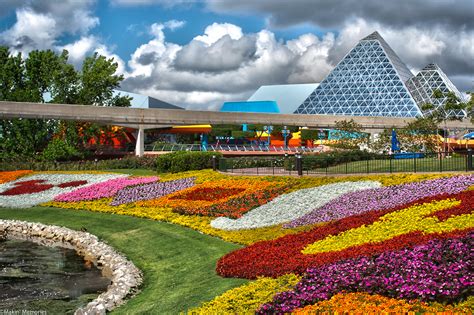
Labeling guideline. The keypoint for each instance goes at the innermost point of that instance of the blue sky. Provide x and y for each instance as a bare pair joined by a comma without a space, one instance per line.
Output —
200,53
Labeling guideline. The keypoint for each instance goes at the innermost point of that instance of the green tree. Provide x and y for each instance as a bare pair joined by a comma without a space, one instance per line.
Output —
27,80
449,109
470,107
349,135
419,135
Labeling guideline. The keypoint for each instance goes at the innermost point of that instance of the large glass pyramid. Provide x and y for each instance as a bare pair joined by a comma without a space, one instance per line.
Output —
433,78
370,80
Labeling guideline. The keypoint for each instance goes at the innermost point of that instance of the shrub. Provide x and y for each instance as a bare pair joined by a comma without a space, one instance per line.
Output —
59,150
185,161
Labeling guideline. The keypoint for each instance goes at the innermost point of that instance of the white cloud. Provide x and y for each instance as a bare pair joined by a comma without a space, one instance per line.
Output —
39,23
174,24
31,31
80,49
216,31
195,75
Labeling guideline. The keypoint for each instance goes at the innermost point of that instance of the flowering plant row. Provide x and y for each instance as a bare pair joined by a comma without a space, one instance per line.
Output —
291,206
232,198
151,191
364,303
383,198
284,255
438,270
104,189
39,188
12,175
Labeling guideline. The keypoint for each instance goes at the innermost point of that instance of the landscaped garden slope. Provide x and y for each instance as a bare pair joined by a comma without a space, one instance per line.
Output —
399,241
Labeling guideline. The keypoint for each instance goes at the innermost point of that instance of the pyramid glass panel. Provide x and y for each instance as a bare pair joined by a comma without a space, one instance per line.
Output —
432,78
371,80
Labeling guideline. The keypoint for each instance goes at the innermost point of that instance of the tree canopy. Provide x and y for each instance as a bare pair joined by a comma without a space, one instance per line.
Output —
46,76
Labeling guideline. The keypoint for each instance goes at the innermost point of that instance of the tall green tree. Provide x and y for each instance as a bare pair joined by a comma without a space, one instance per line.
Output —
449,110
42,72
349,135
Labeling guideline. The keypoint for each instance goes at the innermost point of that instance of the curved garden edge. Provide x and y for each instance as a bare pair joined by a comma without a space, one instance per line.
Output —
125,277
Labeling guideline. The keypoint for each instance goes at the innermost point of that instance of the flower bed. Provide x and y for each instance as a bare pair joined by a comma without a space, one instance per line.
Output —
151,191
284,255
12,175
103,190
39,188
438,270
291,206
232,198
365,303
349,239
383,198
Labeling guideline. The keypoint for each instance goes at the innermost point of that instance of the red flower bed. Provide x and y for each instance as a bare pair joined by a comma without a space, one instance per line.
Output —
208,194
27,187
72,184
283,255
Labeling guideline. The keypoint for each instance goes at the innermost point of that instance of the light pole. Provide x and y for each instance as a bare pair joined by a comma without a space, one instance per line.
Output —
268,130
285,132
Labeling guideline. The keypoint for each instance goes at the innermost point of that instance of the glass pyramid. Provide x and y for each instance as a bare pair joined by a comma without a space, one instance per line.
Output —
433,78
370,80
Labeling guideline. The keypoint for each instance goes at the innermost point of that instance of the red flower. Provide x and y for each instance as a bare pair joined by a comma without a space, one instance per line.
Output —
27,187
283,255
73,184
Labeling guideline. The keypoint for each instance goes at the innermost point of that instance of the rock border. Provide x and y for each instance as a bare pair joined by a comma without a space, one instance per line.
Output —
125,277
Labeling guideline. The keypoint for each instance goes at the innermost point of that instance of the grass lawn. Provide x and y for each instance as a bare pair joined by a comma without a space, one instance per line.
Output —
178,263
398,165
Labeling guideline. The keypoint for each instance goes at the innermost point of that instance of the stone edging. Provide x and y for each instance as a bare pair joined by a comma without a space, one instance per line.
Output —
125,277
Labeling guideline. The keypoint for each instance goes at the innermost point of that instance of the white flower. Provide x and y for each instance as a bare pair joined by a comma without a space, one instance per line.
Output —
291,206
29,200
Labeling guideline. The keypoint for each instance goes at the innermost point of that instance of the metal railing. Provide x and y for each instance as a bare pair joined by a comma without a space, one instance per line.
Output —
315,164
168,147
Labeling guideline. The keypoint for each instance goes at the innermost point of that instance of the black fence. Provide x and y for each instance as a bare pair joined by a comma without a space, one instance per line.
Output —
313,164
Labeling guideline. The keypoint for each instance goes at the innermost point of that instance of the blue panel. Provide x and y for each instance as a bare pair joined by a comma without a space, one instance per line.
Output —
251,107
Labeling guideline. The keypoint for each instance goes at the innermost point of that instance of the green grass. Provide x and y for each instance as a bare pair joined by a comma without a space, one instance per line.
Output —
178,263
398,165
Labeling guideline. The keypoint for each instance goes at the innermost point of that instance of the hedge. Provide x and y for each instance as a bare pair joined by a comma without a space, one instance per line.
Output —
185,161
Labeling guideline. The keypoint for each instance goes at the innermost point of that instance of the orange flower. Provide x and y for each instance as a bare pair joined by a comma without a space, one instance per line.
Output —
364,303
231,198
12,175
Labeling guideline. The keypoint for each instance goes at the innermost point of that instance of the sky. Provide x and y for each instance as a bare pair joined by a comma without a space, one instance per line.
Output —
198,54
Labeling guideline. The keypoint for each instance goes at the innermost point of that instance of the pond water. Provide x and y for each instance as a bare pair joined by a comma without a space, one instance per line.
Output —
51,279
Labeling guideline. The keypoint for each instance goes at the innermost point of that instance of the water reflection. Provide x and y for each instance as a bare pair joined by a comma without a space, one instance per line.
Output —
32,273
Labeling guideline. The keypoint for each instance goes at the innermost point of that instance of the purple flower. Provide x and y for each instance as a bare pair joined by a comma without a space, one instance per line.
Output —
440,270
382,198
151,191
103,190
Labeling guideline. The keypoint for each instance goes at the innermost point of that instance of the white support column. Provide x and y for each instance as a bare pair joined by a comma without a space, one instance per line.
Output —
140,145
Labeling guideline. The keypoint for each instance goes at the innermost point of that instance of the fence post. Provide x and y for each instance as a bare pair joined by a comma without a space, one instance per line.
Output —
367,166
346,167
440,161
214,163
414,162
299,164
469,166
327,164
390,159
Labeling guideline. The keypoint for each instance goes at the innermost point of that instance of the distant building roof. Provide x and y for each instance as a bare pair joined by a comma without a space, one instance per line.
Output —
144,101
251,107
287,96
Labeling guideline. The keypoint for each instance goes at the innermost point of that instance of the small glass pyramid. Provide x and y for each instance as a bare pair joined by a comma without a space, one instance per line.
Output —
433,78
